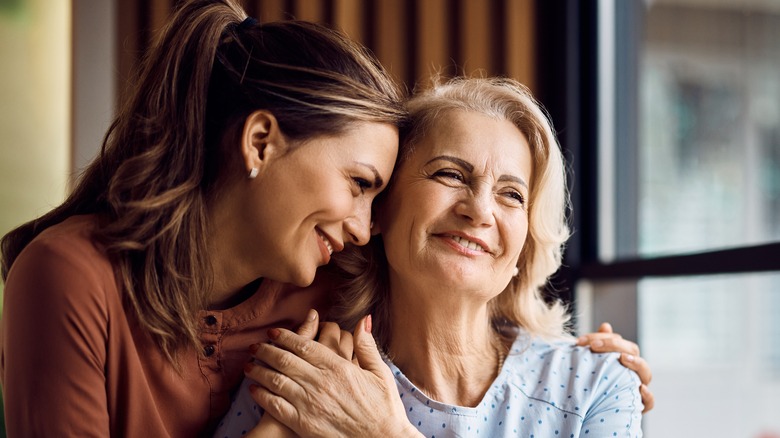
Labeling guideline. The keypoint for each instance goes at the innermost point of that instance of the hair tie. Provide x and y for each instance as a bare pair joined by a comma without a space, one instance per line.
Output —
248,23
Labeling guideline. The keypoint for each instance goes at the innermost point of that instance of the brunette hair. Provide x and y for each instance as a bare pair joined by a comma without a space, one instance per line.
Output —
167,152
363,271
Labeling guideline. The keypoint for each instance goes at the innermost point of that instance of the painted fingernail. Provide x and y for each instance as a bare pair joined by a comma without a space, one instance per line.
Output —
274,333
249,366
311,315
253,348
629,357
368,324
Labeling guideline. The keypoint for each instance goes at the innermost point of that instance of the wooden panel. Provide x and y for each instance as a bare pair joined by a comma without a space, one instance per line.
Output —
348,17
475,41
433,50
159,12
310,10
389,37
271,10
519,51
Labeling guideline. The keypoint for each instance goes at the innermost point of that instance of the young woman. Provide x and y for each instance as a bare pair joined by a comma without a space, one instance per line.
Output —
245,152
471,227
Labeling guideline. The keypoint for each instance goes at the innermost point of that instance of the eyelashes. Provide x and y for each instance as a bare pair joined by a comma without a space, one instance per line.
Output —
362,184
454,177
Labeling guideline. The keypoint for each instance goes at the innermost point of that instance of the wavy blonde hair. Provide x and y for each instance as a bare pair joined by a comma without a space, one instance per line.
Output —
362,272
170,150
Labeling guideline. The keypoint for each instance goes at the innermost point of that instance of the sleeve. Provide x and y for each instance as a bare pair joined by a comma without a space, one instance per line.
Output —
244,414
54,334
617,409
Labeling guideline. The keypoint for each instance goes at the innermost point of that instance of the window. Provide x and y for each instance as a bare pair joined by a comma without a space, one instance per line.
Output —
669,111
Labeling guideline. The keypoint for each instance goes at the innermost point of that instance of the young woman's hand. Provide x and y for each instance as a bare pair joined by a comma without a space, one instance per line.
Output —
318,392
606,341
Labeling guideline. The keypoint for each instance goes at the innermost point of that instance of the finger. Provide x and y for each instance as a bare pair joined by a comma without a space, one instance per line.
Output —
588,338
274,381
638,365
303,350
281,360
648,399
614,345
330,336
276,406
605,327
346,345
367,354
309,327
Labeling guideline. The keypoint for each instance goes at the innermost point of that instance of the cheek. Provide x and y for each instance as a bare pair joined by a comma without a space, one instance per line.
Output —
518,234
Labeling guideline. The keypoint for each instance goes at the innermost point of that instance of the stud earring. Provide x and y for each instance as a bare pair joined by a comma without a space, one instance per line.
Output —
516,272
253,173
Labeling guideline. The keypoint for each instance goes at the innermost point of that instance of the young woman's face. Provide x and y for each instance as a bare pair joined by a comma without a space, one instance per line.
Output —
456,215
317,197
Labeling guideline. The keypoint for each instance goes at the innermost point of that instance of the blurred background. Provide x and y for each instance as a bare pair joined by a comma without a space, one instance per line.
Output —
668,111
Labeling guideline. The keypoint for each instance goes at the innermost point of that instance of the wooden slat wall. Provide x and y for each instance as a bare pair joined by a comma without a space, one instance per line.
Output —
412,38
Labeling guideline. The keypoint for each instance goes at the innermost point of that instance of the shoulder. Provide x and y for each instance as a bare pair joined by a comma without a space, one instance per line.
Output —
63,264
565,375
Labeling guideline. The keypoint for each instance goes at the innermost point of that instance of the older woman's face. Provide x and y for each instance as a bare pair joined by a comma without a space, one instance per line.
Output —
456,215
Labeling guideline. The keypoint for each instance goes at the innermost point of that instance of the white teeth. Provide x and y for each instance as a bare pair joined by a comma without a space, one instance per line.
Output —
327,242
468,244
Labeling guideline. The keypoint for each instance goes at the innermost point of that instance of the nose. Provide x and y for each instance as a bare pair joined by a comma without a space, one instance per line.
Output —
477,206
358,227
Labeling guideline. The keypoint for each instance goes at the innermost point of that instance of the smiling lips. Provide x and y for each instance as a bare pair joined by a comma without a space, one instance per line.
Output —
326,242
466,245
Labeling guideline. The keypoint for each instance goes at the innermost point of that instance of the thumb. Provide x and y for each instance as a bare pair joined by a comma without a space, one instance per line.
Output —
310,326
366,351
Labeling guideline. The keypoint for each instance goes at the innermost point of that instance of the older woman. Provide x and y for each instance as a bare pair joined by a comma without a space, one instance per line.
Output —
471,227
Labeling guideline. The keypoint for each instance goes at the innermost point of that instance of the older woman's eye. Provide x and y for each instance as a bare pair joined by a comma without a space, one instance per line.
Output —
449,174
516,196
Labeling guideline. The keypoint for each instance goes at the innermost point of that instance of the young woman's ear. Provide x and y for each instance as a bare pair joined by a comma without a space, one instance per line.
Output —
261,142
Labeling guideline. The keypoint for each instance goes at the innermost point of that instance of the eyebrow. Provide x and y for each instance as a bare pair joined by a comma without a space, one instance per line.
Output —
378,181
469,167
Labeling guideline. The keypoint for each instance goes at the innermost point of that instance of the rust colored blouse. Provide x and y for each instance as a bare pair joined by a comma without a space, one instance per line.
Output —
74,363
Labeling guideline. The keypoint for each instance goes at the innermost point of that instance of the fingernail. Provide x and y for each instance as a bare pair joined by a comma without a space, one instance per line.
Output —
582,340
368,324
311,315
597,343
274,333
628,357
249,366
253,348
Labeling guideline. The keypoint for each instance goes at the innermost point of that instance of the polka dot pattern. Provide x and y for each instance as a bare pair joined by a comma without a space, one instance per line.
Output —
543,390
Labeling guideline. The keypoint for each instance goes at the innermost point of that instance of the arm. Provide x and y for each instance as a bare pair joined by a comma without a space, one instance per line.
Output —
54,337
605,341
316,392
618,409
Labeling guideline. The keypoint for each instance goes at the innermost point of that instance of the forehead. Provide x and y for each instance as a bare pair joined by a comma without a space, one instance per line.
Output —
486,142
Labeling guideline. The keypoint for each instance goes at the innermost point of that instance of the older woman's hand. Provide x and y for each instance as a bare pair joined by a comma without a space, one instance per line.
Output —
318,392
606,341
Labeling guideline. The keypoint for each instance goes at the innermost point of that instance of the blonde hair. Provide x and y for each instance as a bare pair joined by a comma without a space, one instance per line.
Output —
169,151
363,271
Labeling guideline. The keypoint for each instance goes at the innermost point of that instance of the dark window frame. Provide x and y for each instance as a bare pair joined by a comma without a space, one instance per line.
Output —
567,85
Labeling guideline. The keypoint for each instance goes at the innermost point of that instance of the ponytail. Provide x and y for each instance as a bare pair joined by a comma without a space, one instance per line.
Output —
164,153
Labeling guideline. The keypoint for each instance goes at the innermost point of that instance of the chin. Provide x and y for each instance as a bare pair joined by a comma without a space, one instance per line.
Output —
302,278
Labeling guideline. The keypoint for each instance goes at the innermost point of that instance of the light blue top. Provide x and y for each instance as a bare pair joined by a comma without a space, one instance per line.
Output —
543,390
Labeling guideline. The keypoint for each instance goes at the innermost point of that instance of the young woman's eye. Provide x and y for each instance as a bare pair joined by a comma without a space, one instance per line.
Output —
449,174
362,183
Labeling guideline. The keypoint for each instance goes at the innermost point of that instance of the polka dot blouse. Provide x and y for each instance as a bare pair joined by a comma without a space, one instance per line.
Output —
543,390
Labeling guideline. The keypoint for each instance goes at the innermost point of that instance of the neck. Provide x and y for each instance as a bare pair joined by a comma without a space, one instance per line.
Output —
447,348
234,270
